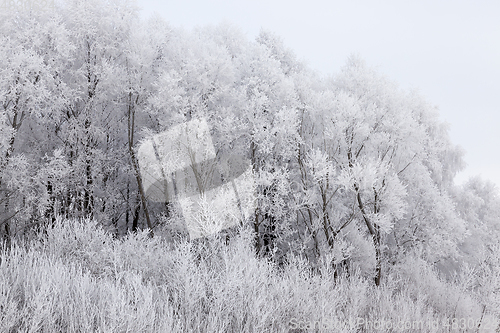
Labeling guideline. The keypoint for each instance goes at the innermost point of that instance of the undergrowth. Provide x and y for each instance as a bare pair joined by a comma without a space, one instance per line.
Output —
75,277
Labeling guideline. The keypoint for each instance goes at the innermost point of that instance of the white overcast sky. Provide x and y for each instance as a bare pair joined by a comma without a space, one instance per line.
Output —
448,50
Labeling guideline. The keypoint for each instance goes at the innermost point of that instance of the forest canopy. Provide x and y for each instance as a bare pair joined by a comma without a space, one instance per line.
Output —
349,168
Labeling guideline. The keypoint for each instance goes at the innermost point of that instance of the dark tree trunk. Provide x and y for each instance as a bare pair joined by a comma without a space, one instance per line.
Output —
135,221
269,235
135,163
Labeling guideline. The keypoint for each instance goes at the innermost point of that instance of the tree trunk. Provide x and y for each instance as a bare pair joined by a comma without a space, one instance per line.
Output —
375,233
135,163
138,178
256,224
135,221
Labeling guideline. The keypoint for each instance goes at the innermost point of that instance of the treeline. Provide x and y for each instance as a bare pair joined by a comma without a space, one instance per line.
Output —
348,169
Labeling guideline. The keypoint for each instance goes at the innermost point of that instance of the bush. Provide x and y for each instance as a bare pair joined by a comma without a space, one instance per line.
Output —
77,278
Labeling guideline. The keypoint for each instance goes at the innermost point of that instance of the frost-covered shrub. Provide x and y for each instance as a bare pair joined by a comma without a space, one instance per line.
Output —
76,277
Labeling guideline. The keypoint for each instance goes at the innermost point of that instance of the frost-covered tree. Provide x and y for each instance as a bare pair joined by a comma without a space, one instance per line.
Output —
375,156
33,48
348,168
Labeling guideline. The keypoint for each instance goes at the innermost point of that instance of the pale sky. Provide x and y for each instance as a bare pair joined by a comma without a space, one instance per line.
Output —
448,50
